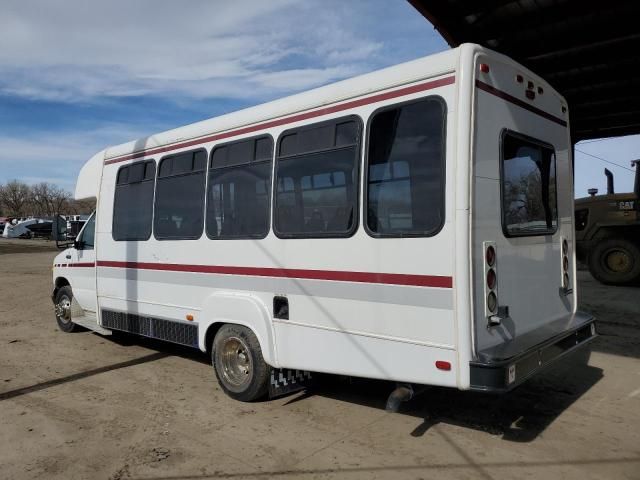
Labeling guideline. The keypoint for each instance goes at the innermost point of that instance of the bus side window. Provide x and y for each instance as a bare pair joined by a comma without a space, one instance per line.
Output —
406,169
179,206
317,180
133,201
239,189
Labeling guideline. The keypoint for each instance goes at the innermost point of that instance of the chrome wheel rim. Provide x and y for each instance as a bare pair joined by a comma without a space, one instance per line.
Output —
236,363
63,310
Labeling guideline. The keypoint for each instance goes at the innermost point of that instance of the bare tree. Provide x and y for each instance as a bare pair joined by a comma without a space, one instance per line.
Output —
81,206
15,196
59,199
41,200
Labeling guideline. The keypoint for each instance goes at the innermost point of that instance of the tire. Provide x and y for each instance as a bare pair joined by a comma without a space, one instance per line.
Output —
64,296
237,360
615,261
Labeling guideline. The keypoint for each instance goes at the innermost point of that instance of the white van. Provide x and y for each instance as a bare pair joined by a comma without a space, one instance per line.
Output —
414,224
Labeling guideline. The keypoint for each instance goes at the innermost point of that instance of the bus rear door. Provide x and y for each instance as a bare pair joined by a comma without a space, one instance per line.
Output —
522,203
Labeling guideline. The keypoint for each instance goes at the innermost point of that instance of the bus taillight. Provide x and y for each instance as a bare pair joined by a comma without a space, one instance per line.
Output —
565,266
492,302
491,279
491,282
490,256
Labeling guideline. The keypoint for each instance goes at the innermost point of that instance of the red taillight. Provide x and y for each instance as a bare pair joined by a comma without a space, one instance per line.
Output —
484,68
491,256
442,365
530,94
491,279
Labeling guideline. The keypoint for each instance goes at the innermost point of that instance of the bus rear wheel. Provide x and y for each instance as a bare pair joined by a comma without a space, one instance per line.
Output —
237,360
64,296
615,261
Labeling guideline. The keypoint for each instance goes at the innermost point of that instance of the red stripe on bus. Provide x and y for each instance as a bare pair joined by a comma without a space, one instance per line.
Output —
295,118
80,264
520,103
334,275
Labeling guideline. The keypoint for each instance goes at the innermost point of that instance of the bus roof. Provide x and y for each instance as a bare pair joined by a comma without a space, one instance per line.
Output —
407,73
397,75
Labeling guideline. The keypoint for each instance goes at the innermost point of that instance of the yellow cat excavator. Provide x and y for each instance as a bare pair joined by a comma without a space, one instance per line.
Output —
608,232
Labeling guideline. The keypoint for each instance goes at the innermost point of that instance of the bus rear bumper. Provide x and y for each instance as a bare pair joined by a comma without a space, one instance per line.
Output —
503,367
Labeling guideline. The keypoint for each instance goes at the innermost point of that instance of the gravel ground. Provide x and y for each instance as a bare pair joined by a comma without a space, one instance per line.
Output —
84,406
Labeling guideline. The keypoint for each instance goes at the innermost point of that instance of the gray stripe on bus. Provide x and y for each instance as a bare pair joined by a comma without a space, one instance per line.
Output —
393,294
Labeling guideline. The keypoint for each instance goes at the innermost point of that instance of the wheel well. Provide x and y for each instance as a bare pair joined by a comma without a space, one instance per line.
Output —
210,335
59,283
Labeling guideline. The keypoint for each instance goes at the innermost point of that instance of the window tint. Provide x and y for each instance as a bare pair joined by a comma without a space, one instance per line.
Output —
179,212
529,203
239,189
133,202
405,170
87,236
317,180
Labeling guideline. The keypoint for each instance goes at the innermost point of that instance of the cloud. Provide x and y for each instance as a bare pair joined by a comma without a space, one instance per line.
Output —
56,158
77,51
77,76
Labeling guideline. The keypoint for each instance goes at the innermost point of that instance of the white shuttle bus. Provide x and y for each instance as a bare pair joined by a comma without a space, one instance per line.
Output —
414,224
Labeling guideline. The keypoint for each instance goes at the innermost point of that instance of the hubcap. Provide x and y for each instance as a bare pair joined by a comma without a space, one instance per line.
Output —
236,363
63,310
618,261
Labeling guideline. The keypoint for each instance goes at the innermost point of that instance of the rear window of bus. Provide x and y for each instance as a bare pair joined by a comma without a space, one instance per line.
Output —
529,193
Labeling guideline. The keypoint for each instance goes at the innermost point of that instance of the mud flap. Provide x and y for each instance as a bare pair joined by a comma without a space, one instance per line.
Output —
286,380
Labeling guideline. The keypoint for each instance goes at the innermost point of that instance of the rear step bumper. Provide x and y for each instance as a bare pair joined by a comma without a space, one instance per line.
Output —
505,366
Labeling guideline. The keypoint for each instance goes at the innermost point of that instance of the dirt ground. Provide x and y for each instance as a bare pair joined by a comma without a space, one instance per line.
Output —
89,407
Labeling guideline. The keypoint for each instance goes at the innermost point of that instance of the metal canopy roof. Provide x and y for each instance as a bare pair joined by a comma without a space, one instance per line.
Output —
589,51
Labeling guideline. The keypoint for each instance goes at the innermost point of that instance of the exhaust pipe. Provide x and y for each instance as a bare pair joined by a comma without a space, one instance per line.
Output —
609,175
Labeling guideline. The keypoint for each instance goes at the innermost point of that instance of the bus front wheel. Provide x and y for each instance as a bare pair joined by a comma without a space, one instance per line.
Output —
64,296
237,360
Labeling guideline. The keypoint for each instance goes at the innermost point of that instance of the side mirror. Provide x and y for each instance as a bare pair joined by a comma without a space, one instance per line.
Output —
59,232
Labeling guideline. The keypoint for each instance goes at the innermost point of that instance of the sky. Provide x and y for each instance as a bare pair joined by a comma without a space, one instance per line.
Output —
77,76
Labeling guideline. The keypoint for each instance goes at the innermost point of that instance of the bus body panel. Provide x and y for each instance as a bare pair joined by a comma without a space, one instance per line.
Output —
528,267
421,316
